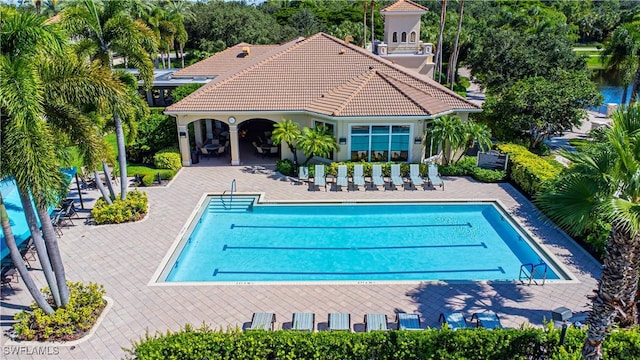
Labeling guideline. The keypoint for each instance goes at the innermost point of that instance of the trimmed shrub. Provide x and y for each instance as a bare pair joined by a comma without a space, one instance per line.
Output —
69,323
133,208
284,167
168,159
467,167
529,171
154,133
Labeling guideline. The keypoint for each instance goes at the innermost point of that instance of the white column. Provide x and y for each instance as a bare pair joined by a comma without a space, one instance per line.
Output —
209,126
183,142
197,131
235,148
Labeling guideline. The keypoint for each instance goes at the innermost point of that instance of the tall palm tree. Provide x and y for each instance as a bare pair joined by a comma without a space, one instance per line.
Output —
287,132
110,28
439,50
179,11
622,54
605,183
317,142
456,48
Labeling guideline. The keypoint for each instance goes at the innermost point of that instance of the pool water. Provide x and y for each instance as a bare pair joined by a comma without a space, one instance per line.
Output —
352,242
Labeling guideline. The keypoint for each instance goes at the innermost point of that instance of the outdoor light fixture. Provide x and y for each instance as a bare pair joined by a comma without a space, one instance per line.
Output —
343,141
562,314
417,140
183,134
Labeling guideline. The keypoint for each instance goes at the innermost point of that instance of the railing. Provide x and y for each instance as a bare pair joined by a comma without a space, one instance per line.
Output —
529,272
233,188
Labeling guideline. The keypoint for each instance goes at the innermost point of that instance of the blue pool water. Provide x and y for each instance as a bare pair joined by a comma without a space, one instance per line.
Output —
352,242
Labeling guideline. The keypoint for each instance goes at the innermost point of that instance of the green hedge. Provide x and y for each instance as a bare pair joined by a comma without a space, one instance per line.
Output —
467,167
479,344
133,208
69,323
168,159
528,170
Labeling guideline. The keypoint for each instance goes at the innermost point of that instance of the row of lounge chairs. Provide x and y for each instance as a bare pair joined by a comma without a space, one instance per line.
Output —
414,180
373,322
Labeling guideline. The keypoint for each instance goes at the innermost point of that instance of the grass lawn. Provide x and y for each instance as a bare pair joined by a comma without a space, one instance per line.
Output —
595,63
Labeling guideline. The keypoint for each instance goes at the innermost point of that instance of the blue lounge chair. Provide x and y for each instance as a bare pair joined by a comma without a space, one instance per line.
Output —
487,319
262,321
358,176
341,179
374,322
303,321
319,178
303,174
414,175
339,321
396,178
434,176
376,176
454,320
408,321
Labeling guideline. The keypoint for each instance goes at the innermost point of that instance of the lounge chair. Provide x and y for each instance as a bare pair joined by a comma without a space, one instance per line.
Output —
454,320
9,275
262,321
396,178
408,321
261,151
376,176
487,319
358,176
303,321
341,179
303,174
414,175
375,322
339,321
319,178
434,176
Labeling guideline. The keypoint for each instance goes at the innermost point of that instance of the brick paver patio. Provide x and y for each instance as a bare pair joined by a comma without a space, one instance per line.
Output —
124,258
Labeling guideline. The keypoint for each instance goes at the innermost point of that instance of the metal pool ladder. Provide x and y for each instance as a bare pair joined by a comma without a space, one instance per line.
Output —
529,271
233,188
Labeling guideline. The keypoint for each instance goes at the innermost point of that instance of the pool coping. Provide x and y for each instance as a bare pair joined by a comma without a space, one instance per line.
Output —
176,247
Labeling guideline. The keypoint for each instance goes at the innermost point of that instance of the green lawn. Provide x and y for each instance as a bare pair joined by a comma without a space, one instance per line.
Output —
594,63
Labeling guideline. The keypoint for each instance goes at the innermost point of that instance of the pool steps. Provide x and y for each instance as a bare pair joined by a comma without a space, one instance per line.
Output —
224,204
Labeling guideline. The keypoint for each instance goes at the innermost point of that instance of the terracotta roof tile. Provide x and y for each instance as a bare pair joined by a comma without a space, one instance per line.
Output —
297,75
404,6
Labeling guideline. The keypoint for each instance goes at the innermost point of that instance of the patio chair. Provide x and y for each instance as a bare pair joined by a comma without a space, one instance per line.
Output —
341,179
205,153
434,176
487,319
408,321
396,178
358,176
221,151
454,320
339,321
57,223
414,175
303,175
8,276
319,178
261,151
274,150
28,251
374,322
376,176
262,321
303,321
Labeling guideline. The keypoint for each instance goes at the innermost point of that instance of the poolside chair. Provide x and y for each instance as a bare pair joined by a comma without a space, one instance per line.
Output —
339,321
341,179
57,223
358,176
303,175
8,276
261,151
414,175
303,321
487,319
262,321
375,322
396,178
319,178
204,152
408,321
434,176
454,320
376,176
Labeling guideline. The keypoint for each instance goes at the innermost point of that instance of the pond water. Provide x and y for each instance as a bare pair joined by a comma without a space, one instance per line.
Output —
609,85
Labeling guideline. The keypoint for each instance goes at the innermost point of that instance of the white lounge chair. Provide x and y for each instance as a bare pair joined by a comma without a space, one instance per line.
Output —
303,174
341,179
358,176
319,178
414,175
262,321
303,321
396,178
376,176
434,176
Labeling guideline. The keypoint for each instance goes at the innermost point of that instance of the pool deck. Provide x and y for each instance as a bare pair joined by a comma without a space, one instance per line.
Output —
125,257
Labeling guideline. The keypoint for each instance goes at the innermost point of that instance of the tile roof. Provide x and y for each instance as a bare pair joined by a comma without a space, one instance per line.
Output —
404,6
298,74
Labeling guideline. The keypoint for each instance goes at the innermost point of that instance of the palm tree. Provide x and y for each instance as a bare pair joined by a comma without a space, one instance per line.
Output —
106,29
438,55
622,54
604,183
287,132
179,11
475,133
448,133
317,142
456,48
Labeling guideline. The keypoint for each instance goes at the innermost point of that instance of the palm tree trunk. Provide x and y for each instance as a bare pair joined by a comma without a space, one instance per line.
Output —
636,85
40,245
606,303
107,179
122,157
623,101
100,186
19,264
295,157
51,242
443,13
453,63
182,54
630,305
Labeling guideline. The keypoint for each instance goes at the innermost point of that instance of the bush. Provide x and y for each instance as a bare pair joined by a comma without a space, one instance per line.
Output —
69,323
529,171
183,91
168,159
467,167
155,132
529,343
133,208
284,167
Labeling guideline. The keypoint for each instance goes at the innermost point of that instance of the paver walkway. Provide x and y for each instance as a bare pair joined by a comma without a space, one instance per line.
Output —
124,257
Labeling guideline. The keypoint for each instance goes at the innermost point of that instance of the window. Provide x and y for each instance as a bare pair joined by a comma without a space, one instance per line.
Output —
404,37
380,143
413,37
328,128
395,37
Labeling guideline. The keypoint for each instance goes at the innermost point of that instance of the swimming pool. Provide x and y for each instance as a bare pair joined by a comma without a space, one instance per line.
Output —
245,241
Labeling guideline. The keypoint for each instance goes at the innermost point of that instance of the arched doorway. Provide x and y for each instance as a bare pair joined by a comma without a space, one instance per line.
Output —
254,142
210,138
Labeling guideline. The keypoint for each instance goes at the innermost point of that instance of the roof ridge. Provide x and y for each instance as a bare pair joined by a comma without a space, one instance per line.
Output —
366,78
392,81
399,2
